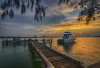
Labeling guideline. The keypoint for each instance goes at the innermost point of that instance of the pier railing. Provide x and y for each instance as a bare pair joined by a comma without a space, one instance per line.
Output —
49,65
38,46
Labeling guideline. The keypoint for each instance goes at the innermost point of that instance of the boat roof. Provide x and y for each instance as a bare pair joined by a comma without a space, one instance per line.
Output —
16,38
68,33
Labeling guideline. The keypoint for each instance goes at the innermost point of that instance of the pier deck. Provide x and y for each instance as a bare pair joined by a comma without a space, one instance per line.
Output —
58,60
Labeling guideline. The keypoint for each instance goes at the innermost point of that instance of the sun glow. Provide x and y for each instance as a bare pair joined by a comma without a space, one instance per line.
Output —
76,25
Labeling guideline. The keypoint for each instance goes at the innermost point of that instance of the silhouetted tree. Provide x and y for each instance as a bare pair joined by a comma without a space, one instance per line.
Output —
88,8
8,8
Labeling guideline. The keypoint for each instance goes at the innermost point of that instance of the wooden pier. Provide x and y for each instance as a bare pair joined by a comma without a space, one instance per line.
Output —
50,57
55,59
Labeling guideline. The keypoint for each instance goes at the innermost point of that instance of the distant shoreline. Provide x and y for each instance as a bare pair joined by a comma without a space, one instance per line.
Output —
48,37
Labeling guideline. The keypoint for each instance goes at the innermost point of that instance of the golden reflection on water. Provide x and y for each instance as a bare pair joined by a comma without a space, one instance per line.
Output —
85,49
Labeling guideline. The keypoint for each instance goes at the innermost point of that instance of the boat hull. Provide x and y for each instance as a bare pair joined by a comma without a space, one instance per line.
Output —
69,40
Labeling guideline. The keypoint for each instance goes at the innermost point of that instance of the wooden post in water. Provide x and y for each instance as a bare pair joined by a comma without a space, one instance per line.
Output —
51,43
7,41
25,41
44,42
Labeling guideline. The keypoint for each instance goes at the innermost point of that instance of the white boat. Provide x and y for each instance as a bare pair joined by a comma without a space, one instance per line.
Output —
67,38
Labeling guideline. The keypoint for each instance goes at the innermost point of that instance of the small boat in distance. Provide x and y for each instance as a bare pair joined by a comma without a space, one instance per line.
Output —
67,37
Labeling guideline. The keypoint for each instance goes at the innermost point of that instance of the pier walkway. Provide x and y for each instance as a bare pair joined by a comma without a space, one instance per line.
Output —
56,59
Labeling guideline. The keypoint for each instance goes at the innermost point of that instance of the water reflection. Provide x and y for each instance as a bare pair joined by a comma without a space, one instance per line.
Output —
67,46
6,45
84,49
15,56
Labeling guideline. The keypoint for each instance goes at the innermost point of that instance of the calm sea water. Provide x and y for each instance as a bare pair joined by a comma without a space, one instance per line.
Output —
15,56
85,49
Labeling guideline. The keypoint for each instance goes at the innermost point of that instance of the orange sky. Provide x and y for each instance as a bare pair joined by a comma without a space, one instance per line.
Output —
76,27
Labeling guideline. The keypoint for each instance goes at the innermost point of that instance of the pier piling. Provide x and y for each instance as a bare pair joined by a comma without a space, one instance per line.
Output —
55,59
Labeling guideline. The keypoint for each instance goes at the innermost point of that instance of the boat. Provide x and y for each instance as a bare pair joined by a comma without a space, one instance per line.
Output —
16,38
67,37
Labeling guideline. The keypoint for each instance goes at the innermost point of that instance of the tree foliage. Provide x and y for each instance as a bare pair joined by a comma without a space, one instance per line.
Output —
8,7
88,8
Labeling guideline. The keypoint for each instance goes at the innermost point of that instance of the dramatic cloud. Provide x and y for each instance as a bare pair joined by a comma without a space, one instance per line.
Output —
58,20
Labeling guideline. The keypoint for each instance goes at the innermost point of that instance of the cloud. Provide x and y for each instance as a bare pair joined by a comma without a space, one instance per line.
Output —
1,11
58,20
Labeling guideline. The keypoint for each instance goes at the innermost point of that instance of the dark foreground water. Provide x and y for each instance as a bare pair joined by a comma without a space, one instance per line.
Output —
85,49
15,56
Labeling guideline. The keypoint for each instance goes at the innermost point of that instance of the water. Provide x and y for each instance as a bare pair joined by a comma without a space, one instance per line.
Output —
85,49
15,56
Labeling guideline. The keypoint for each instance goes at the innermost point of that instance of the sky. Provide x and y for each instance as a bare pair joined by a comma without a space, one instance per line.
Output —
59,19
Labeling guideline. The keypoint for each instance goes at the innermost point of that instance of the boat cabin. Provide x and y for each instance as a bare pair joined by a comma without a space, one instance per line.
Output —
67,35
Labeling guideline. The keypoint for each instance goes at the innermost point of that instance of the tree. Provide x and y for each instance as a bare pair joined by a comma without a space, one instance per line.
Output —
8,8
89,8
